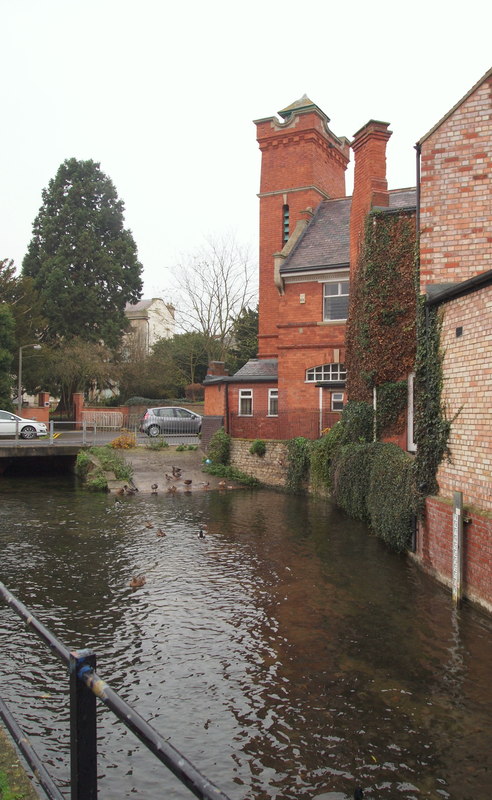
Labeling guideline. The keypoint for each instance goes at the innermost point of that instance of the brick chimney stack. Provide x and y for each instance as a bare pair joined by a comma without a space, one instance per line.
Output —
370,185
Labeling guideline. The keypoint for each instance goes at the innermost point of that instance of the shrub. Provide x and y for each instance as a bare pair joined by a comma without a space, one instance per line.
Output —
298,450
391,500
321,455
157,444
124,442
194,391
258,448
374,482
350,476
224,471
357,423
219,448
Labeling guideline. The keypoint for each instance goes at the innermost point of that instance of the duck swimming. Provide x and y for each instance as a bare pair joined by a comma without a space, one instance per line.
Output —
160,532
154,488
137,581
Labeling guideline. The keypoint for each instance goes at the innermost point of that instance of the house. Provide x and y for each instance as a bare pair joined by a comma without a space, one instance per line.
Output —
150,320
456,280
310,234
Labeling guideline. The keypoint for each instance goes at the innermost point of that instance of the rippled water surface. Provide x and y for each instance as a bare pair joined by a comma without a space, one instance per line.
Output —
287,655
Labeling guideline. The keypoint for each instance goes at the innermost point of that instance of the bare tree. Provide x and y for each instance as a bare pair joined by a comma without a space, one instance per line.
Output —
214,285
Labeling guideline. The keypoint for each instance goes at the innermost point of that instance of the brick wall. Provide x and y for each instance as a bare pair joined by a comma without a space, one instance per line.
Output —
467,393
456,184
434,549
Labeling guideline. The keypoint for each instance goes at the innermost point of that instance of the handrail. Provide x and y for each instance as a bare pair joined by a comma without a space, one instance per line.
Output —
85,687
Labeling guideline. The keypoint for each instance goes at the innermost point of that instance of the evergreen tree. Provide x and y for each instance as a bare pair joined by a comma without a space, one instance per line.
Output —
245,339
83,261
7,326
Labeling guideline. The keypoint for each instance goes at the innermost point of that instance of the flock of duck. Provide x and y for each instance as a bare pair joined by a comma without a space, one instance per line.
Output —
137,581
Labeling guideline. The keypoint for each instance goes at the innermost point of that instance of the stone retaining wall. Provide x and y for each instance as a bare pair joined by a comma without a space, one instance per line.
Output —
270,469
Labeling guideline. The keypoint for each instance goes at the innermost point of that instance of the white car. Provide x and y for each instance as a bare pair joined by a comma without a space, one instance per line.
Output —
27,428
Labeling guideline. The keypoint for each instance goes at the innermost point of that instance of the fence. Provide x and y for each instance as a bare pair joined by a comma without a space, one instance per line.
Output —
85,687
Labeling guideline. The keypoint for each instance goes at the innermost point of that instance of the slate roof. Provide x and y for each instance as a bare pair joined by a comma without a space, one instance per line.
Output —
258,368
326,241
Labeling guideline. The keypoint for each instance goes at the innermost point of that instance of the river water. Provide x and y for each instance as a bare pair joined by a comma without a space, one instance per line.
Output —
288,654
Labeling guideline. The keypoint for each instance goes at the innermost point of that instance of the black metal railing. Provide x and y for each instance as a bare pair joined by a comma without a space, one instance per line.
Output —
85,686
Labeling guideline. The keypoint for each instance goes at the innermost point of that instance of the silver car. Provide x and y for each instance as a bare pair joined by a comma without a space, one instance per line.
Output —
170,419
26,428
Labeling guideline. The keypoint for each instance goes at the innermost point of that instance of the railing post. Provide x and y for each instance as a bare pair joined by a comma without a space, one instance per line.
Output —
83,741
84,431
52,431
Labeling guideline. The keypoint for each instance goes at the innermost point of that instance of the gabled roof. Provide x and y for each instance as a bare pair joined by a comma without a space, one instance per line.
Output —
325,244
451,111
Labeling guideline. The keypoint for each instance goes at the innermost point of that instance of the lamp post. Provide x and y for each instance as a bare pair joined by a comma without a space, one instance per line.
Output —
19,376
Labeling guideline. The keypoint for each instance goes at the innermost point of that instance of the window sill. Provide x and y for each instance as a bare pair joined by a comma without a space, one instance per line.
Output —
332,322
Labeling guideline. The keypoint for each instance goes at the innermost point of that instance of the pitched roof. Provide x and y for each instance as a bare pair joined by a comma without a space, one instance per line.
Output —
326,241
451,111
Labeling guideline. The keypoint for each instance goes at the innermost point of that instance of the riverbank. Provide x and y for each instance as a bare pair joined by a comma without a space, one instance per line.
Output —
156,467
14,780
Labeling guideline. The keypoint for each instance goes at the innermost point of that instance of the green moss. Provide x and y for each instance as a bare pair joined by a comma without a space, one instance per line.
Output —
225,471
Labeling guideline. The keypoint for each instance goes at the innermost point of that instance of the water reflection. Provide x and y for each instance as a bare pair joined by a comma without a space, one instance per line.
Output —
288,654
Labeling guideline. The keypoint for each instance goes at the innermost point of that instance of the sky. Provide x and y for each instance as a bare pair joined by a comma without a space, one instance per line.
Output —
163,95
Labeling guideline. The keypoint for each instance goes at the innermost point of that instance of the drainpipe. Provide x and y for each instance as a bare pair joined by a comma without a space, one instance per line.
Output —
226,408
418,150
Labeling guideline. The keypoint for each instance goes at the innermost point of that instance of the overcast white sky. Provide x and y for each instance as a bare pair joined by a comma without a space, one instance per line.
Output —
163,95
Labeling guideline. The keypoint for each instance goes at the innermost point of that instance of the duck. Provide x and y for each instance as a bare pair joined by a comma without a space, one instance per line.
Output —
137,581
172,489
128,489
201,534
221,484
176,471
160,532
120,491
205,485
168,477
154,488
148,524
188,482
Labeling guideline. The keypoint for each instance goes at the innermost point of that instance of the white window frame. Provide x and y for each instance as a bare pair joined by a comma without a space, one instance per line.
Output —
245,394
326,372
272,395
337,397
340,294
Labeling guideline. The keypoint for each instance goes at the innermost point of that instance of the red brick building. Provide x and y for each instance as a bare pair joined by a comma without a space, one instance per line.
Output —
456,276
309,236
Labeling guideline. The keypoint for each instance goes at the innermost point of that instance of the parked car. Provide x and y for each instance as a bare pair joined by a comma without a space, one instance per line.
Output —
170,419
27,428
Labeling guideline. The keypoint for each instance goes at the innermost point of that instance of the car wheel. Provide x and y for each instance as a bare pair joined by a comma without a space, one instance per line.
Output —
153,430
28,432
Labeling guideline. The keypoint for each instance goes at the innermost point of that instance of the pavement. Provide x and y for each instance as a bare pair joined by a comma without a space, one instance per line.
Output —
152,466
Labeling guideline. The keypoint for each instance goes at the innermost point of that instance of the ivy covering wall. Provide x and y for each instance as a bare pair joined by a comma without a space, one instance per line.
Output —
381,329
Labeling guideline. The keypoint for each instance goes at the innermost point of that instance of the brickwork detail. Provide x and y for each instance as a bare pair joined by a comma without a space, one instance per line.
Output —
456,184
434,549
467,392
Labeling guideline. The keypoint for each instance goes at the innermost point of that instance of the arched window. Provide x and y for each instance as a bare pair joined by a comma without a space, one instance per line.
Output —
286,224
326,373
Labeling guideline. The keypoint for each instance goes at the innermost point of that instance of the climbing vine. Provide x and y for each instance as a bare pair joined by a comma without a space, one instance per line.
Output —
432,426
298,451
390,407
381,325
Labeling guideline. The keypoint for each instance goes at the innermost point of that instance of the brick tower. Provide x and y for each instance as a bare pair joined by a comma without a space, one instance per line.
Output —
303,163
